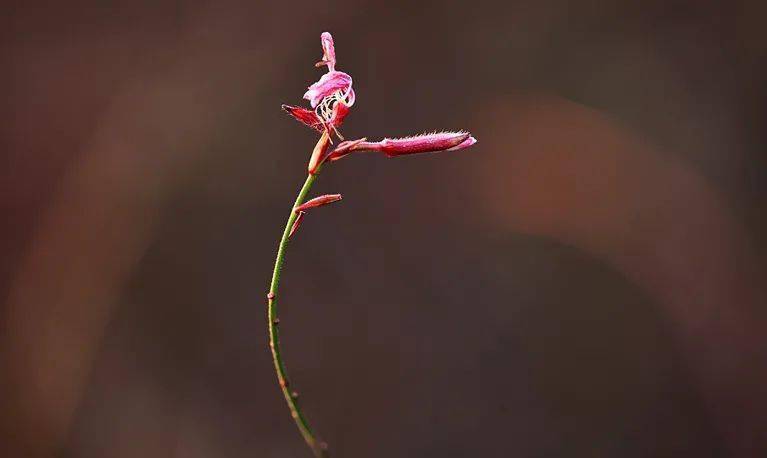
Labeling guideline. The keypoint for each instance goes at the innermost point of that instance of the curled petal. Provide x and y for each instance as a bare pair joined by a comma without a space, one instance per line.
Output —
328,52
464,144
318,202
328,84
350,96
307,117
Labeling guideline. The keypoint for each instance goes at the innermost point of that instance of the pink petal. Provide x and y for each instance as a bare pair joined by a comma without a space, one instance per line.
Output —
465,144
351,96
328,84
339,113
328,52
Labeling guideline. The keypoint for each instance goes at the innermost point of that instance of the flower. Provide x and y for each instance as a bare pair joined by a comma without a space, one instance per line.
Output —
424,143
330,97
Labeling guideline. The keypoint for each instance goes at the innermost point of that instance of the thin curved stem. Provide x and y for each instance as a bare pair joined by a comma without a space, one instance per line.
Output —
318,447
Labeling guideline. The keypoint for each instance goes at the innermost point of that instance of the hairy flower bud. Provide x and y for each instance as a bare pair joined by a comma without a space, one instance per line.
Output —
425,143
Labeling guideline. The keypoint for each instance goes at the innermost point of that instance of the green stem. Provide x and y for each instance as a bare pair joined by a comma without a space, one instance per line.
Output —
318,447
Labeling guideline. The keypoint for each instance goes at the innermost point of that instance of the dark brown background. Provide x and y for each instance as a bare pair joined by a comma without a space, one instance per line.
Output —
587,281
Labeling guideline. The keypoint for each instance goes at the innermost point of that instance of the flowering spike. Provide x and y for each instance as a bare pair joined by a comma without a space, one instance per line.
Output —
318,202
307,117
296,223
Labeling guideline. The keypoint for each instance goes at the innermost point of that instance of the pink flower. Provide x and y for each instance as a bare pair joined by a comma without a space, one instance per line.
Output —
425,143
331,96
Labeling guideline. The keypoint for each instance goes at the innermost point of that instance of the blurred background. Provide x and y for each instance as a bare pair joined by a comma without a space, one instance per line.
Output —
587,281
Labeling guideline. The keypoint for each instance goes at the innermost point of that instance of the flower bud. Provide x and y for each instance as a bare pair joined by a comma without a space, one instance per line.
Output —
318,202
425,143
296,224
319,152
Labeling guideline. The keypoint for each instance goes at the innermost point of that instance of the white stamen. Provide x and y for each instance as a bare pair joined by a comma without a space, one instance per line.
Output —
326,107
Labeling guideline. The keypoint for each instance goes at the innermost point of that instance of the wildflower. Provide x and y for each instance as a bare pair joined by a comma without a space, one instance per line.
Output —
330,97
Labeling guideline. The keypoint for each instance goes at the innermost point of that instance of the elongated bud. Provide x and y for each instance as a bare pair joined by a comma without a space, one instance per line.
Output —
426,143
296,223
318,202
318,154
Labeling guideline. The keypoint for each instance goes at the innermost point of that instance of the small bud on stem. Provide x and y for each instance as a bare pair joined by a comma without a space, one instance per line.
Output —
318,202
296,223
318,154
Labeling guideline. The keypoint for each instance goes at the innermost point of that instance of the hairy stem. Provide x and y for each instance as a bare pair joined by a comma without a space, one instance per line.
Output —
318,447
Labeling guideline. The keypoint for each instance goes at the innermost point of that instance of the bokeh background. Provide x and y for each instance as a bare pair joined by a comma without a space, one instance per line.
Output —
587,281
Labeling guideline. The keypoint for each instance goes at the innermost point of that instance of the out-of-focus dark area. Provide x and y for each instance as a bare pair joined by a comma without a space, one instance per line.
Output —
586,281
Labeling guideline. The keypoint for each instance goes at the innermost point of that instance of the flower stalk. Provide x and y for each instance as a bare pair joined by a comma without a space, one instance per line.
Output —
331,99
318,447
